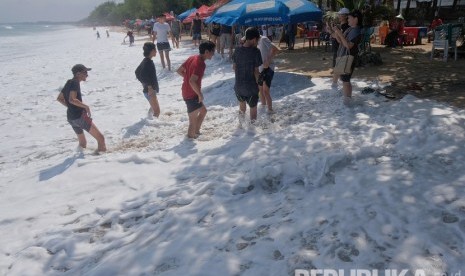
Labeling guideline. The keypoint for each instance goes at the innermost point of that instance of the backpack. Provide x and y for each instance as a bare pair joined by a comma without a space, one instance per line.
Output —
138,73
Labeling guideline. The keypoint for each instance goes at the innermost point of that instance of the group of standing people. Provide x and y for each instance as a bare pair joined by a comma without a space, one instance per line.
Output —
252,64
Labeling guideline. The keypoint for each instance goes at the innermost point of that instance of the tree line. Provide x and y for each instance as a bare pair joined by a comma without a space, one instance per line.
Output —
111,13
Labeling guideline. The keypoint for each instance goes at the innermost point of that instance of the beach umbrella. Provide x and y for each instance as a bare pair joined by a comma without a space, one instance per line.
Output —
185,14
302,10
204,11
251,13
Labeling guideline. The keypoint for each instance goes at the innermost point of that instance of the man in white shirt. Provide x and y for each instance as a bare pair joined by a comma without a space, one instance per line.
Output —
268,50
161,32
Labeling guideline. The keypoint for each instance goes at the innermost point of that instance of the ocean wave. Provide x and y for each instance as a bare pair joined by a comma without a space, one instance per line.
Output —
8,27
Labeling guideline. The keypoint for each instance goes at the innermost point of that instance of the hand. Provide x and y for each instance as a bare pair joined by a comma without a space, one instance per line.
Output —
200,98
88,112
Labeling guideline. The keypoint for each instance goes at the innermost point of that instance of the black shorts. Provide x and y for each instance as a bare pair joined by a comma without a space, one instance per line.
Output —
163,46
266,76
250,100
193,104
82,123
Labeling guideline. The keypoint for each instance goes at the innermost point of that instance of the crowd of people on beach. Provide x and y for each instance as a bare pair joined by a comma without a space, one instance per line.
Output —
252,56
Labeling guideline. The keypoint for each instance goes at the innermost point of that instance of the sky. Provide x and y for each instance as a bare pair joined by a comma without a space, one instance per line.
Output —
13,11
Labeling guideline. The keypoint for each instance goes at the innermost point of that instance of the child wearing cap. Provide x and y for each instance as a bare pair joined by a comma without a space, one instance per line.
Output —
78,113
147,75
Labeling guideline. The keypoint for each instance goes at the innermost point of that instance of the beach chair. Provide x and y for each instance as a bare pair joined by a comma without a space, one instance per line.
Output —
445,38
311,36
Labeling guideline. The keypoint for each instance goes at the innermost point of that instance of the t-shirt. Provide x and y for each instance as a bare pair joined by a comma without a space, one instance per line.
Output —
162,30
225,29
196,26
148,74
194,65
246,60
265,46
353,35
176,27
215,29
73,112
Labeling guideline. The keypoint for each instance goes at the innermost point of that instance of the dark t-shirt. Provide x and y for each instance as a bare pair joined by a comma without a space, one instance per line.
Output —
74,112
215,29
148,74
225,29
246,60
197,26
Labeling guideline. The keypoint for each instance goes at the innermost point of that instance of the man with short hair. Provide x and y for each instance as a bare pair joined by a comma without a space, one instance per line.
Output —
192,71
161,31
78,113
196,29
246,60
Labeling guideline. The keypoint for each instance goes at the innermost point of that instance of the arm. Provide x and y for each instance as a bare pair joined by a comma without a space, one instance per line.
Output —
61,99
269,58
193,83
341,39
74,101
181,71
256,74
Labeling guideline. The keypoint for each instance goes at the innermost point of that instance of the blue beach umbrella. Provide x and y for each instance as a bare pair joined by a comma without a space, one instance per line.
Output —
251,13
302,10
185,14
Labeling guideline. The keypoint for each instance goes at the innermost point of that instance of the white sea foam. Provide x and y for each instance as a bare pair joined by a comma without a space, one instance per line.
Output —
316,185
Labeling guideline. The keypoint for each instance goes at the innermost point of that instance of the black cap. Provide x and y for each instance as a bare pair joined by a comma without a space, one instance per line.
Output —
79,68
358,14
252,33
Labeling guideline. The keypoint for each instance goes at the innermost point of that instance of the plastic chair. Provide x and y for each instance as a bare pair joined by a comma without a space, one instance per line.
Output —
445,37
311,36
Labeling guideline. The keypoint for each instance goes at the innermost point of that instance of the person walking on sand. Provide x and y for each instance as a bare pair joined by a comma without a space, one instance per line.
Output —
129,34
192,71
98,35
246,60
108,33
348,45
226,40
196,29
78,113
161,32
176,32
147,75
268,50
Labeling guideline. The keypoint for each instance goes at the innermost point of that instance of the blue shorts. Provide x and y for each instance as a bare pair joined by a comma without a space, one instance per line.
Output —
196,36
82,123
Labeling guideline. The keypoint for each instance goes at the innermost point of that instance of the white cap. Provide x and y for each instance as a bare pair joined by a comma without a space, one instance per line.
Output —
344,11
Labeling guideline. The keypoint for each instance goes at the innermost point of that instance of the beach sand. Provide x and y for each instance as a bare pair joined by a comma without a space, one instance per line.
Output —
408,70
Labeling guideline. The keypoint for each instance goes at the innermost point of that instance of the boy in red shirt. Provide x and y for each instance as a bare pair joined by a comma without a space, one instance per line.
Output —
192,71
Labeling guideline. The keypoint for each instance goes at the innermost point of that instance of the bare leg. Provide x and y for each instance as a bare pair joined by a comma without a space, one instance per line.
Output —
200,116
262,97
194,124
154,105
253,114
82,140
99,137
162,58
347,86
267,96
242,107
168,60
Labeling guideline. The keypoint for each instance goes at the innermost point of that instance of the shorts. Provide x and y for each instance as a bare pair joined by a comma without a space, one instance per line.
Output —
82,123
196,36
250,100
193,104
225,40
163,46
347,77
216,33
266,76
